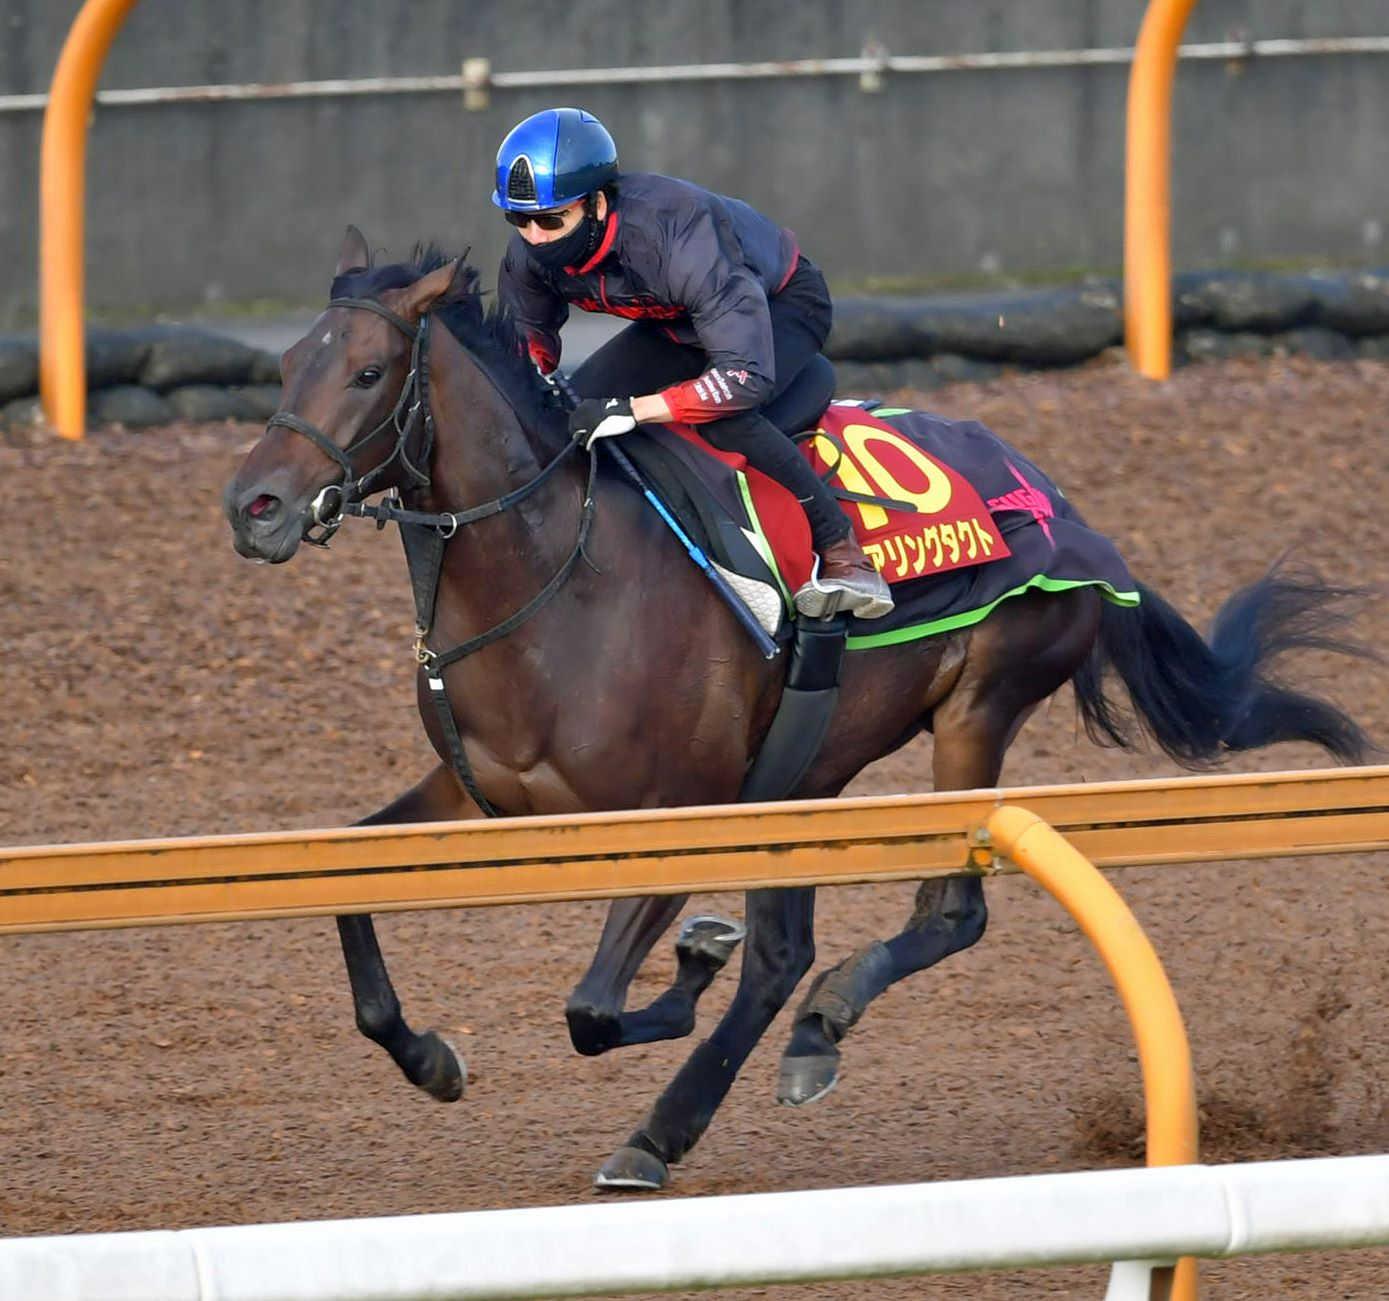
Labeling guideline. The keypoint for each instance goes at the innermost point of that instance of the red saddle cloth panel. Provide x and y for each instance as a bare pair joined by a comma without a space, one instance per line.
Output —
944,524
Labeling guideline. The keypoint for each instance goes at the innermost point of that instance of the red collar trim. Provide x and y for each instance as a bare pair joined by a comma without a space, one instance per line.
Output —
602,250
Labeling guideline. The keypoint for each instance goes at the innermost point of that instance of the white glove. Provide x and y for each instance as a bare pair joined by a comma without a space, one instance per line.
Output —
596,418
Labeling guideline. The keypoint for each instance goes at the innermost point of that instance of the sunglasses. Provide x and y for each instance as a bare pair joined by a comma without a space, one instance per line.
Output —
545,220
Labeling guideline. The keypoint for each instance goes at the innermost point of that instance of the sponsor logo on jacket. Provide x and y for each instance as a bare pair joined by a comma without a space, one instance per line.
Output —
712,386
636,310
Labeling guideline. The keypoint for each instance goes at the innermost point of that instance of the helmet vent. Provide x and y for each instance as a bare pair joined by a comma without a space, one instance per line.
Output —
520,181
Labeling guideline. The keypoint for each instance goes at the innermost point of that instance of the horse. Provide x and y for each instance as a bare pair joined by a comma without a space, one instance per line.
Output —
602,672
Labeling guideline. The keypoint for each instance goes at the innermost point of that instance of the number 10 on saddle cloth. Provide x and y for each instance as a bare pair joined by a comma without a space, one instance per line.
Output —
955,519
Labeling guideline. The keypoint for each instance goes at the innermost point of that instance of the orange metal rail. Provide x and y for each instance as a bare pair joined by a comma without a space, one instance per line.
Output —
676,851
62,204
1148,189
705,849
62,354
1164,1055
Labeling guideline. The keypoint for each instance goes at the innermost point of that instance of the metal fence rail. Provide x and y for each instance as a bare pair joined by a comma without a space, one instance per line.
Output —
702,849
478,78
677,851
706,1242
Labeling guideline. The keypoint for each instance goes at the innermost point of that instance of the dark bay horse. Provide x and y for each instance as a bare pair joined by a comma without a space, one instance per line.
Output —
628,684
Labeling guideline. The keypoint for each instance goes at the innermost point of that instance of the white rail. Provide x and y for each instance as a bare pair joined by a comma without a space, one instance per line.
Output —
1149,1214
477,77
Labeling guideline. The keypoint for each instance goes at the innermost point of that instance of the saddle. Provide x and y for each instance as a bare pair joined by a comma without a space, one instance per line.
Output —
954,518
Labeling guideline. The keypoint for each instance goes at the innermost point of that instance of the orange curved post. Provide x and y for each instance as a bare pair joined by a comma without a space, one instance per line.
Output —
62,188
1148,189
1163,1053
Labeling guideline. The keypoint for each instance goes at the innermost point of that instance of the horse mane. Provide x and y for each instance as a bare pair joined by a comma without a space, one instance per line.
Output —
489,334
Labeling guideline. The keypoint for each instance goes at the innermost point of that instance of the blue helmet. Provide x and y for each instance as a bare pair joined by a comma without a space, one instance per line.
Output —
553,158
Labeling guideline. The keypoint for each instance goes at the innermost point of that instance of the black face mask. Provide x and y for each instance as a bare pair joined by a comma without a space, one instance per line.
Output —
571,251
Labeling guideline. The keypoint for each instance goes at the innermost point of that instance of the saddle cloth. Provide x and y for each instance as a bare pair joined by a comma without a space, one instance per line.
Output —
954,518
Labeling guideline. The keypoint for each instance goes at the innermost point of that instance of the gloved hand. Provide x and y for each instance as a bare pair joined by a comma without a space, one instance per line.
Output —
596,418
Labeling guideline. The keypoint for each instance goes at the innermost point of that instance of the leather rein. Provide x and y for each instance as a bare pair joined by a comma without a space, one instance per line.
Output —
425,534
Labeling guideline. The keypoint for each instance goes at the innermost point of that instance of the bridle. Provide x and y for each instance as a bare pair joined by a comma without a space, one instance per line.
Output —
424,534
411,411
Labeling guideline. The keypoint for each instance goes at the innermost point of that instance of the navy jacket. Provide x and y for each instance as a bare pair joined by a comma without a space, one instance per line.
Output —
699,265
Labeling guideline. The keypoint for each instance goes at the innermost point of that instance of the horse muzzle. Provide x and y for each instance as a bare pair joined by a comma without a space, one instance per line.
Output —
268,526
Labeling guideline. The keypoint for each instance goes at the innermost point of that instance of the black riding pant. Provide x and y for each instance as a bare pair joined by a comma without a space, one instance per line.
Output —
644,359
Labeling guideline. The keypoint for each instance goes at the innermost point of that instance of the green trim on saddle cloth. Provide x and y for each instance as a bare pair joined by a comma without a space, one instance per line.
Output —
953,622
759,540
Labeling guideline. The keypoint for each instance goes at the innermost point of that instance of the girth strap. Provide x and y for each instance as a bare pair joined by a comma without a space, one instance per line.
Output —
803,714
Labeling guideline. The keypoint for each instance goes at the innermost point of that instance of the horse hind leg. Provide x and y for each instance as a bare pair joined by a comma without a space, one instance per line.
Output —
1019,657
427,1060
594,1012
949,915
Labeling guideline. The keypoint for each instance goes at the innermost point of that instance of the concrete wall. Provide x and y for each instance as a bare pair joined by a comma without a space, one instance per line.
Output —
938,176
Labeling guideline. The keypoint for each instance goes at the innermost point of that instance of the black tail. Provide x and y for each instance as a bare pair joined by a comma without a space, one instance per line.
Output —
1200,699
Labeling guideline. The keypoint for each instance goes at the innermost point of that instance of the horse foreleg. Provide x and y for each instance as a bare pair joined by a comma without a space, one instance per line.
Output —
780,950
594,1011
428,1061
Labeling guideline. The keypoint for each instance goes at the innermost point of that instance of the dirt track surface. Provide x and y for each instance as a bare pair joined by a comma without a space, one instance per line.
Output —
155,684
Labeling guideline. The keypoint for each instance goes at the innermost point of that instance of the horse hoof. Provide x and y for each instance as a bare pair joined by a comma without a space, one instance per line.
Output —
633,1169
714,938
448,1073
804,1080
592,1031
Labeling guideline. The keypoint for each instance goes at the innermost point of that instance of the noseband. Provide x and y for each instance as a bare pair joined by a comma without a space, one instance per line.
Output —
411,411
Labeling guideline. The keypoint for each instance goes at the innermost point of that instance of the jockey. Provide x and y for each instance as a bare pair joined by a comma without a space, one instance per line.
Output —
725,311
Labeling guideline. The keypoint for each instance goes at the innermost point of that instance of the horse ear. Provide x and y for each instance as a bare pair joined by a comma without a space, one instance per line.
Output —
417,299
354,255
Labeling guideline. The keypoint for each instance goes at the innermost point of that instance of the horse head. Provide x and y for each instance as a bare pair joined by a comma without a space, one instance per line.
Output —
354,416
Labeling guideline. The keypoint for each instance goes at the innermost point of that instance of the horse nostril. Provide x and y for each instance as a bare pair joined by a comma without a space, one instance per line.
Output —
263,506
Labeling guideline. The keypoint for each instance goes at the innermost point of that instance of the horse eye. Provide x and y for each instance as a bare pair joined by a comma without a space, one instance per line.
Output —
367,377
